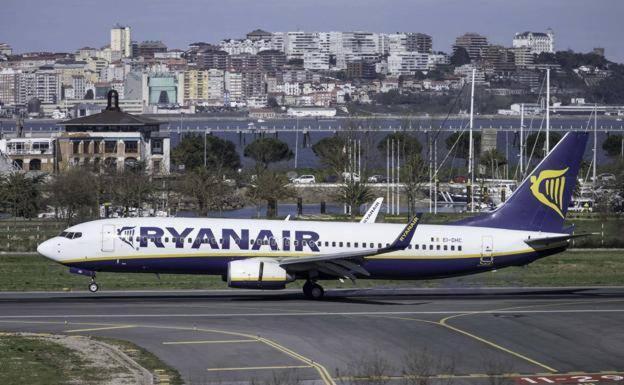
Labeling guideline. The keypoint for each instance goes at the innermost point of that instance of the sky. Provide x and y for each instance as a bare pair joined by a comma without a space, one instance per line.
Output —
66,25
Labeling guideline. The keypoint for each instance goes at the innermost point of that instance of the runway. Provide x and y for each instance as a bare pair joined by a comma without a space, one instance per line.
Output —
459,336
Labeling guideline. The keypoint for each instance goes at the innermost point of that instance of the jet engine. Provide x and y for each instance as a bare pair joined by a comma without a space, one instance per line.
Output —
257,273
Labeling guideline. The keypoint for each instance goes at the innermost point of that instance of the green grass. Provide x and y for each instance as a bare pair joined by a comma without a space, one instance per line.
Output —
572,268
146,359
35,361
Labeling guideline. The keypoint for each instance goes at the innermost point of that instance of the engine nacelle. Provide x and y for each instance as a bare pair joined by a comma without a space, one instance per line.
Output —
257,273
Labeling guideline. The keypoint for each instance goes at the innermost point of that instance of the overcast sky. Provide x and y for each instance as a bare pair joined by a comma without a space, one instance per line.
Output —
65,25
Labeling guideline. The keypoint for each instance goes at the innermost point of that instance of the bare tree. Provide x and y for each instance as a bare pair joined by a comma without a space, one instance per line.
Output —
373,369
420,367
73,194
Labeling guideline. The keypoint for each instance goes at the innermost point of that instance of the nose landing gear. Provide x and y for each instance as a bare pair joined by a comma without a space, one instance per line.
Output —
313,290
93,286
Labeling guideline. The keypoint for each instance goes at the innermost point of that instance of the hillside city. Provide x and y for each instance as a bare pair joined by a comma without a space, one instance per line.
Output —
270,74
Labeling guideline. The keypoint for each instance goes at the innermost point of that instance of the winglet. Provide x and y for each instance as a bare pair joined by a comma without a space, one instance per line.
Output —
371,214
405,237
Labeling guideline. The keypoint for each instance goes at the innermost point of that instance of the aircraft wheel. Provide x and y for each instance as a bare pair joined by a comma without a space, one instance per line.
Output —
316,291
93,287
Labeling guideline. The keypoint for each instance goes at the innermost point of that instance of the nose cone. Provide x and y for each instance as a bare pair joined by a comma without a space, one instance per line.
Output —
48,249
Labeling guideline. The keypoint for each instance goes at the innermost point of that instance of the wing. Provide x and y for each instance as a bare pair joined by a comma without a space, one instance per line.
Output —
347,264
373,211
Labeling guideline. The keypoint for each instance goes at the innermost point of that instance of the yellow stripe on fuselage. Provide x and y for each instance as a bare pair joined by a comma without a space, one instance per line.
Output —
278,254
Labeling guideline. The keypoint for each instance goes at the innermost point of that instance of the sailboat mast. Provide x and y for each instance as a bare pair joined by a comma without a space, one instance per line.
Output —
470,144
547,111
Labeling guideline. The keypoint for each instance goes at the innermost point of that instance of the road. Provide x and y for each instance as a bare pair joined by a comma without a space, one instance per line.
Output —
459,335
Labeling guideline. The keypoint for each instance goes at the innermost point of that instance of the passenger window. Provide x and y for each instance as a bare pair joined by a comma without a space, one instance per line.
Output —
459,248
445,247
166,239
415,247
437,247
138,239
333,244
379,245
430,247
432,239
326,244
319,243
252,241
409,247
190,240
355,244
296,243
452,248
387,245
348,244
372,245
340,244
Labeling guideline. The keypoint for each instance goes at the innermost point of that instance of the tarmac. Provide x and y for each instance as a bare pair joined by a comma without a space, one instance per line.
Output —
394,336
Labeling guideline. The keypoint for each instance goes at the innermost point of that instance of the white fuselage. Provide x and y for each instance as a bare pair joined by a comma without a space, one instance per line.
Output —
205,246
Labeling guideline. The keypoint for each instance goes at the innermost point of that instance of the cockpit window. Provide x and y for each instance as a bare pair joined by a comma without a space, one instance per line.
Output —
70,235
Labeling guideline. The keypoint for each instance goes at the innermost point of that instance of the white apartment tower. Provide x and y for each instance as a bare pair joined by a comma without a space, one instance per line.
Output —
537,42
121,40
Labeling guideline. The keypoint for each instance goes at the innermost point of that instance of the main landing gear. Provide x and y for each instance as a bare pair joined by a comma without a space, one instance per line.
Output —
93,286
313,290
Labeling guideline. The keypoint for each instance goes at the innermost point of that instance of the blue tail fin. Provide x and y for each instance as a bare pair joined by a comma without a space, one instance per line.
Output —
540,203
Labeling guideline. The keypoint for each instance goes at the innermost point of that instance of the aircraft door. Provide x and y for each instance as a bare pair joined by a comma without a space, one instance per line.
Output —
108,238
487,249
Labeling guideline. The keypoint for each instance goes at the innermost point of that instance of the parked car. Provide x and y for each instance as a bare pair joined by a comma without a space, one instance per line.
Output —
377,179
305,179
350,176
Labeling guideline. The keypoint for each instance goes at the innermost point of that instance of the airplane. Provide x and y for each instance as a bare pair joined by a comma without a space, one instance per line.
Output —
269,254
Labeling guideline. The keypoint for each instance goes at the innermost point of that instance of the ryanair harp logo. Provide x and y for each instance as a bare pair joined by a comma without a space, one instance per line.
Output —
548,188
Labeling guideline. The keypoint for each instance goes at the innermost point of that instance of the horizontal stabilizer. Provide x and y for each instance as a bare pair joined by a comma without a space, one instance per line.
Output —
548,241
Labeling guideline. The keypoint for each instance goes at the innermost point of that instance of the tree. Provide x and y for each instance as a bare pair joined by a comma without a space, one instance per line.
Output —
613,146
332,153
268,150
270,187
536,142
461,141
610,90
73,194
409,145
20,194
132,187
460,56
272,102
414,173
220,153
354,194
492,159
206,187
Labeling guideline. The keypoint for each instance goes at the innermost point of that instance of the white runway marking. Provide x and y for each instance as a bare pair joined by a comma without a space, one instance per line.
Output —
316,314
